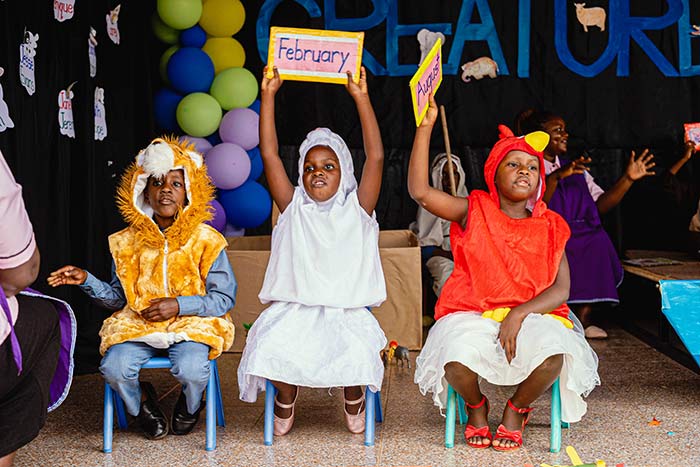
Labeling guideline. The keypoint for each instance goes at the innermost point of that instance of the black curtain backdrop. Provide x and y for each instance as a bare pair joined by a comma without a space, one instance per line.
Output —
69,184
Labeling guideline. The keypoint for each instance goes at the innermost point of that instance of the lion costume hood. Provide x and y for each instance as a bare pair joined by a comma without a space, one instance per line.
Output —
151,263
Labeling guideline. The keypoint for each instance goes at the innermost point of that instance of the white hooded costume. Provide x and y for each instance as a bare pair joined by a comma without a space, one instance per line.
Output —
324,273
434,231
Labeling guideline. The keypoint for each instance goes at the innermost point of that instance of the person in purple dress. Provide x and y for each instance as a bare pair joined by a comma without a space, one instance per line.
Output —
37,332
596,271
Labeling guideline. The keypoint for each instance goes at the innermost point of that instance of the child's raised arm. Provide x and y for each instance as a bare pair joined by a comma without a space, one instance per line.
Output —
281,188
433,200
371,182
638,167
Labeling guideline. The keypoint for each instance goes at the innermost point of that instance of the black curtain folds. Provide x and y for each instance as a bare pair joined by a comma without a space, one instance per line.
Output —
69,184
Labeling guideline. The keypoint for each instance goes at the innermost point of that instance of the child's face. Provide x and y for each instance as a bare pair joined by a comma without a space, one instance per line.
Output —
166,196
518,176
446,177
558,137
321,173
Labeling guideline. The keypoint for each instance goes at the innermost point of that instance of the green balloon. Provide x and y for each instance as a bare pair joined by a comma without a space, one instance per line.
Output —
180,14
164,32
198,114
234,88
163,67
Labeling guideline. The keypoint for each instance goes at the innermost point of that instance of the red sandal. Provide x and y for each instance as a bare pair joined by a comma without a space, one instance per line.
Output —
502,433
483,432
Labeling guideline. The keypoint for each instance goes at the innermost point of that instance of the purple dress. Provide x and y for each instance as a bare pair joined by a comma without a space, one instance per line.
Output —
596,271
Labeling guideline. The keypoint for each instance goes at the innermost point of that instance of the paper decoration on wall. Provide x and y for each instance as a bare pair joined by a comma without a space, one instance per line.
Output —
27,51
112,27
426,40
100,115
5,120
92,54
477,69
63,9
65,112
590,16
695,31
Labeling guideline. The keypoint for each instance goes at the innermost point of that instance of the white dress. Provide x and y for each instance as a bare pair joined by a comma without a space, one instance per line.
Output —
472,340
323,275
316,347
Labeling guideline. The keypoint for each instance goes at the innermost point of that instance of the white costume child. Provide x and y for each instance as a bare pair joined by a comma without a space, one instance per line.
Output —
435,232
324,272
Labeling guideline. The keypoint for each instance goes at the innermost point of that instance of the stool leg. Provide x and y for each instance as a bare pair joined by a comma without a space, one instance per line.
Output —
450,418
108,420
555,436
460,408
370,402
211,412
269,423
119,408
221,421
380,417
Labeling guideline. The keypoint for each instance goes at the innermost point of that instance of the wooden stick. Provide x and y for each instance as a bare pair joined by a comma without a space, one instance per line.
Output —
446,136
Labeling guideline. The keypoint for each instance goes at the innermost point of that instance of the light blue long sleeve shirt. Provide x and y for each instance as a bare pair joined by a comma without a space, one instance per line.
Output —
221,289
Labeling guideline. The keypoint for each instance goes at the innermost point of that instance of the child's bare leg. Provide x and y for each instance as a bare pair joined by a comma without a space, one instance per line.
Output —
6,461
286,394
352,394
466,383
584,311
533,387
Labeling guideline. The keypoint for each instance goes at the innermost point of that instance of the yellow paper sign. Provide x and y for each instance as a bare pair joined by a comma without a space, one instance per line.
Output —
315,54
426,81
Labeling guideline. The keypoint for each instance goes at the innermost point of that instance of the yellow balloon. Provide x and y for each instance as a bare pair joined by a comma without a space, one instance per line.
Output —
225,52
222,18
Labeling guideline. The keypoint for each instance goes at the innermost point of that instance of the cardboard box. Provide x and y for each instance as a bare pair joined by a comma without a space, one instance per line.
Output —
399,316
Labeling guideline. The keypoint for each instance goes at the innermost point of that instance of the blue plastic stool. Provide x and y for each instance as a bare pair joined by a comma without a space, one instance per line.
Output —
214,408
454,399
373,412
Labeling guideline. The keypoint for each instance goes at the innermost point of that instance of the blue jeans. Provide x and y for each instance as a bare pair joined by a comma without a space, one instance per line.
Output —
190,366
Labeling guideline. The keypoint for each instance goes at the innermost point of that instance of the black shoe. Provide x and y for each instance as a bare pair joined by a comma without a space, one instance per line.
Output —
150,417
183,422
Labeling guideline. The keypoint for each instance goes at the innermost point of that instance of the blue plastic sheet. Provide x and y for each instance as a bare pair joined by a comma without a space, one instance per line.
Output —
680,302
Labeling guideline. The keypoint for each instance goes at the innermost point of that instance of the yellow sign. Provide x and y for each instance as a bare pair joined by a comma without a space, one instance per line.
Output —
315,54
426,81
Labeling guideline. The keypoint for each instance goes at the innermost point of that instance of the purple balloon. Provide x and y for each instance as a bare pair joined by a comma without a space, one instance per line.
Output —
228,165
201,145
240,126
219,219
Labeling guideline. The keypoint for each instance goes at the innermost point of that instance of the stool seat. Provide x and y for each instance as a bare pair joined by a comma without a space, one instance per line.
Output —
214,405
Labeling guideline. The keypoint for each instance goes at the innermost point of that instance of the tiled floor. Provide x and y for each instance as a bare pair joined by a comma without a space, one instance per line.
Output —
638,384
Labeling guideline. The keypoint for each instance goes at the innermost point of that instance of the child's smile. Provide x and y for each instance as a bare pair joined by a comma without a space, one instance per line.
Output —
558,137
321,175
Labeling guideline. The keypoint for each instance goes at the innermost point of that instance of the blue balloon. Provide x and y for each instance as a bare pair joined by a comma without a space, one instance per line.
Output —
255,106
214,138
247,206
256,164
190,70
165,108
193,37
